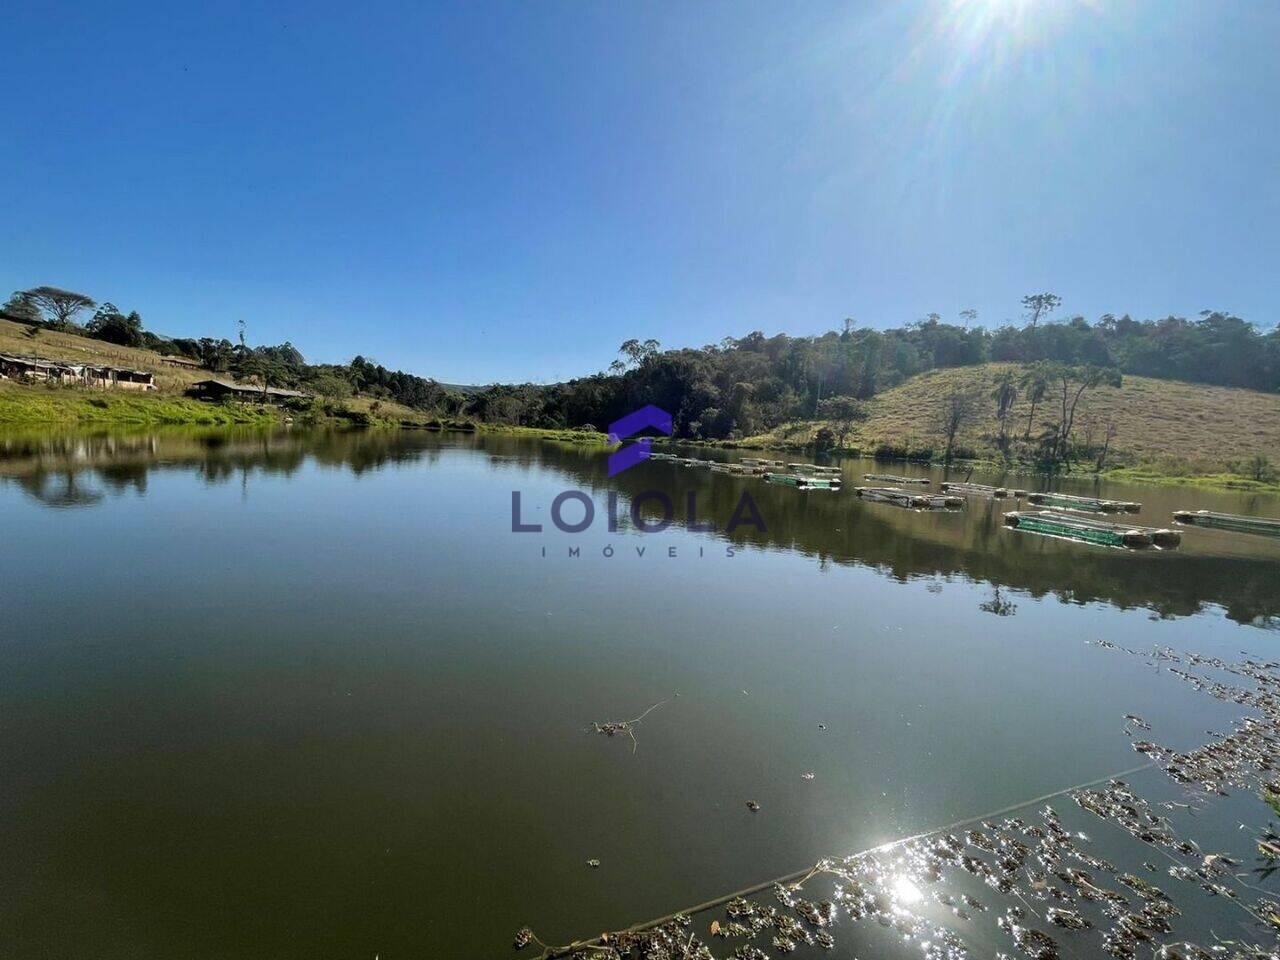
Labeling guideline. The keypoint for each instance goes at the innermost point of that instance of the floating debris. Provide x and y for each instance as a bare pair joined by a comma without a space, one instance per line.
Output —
593,864
753,806
806,776
611,728
1041,868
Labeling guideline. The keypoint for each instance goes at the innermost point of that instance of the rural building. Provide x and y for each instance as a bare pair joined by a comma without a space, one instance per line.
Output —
120,378
82,374
182,362
224,390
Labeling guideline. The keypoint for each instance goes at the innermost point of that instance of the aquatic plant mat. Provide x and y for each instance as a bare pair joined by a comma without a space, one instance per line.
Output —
1029,880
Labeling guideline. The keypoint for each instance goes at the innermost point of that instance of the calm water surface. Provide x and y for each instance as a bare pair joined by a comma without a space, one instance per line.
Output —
310,696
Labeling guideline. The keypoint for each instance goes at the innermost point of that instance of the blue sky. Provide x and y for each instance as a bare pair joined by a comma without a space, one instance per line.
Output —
507,191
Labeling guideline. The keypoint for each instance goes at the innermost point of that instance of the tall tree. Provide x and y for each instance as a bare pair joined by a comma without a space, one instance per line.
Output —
216,355
1004,394
111,325
250,364
637,351
1074,383
20,307
60,305
843,413
1035,384
1040,305
956,411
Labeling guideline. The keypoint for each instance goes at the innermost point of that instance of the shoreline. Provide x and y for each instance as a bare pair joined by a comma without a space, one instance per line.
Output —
40,408
1135,473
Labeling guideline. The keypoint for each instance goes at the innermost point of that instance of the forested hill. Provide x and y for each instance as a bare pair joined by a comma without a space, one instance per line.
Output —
742,387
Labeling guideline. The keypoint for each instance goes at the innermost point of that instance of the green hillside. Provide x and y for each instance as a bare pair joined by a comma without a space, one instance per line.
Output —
32,405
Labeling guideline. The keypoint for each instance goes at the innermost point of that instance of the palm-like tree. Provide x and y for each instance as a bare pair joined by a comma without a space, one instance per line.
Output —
1035,384
1004,394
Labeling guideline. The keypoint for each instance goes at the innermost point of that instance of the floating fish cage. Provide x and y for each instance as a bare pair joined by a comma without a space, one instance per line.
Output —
912,501
1092,504
1092,531
980,490
898,481
1160,536
813,468
736,469
1229,521
804,482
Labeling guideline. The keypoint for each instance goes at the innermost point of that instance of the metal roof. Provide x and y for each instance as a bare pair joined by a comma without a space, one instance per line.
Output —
249,388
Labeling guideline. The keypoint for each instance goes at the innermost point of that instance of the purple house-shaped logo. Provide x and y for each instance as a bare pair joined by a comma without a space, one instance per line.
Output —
631,424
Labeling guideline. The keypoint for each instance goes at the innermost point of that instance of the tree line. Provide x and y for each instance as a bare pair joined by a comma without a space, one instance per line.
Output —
748,385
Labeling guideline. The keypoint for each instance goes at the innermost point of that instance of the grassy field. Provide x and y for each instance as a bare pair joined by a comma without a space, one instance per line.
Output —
15,339
1166,430
41,405
22,405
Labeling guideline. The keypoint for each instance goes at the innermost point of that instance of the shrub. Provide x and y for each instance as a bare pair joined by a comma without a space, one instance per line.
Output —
1258,468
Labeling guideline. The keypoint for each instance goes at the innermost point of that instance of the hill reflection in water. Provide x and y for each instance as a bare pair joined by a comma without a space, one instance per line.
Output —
1234,572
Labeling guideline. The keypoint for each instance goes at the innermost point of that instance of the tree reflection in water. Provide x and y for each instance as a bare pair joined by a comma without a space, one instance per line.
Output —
1234,572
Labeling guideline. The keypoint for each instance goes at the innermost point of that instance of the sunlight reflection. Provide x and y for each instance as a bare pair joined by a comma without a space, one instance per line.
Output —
906,892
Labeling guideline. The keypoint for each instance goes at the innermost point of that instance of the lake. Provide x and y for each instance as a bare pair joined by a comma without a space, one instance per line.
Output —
309,696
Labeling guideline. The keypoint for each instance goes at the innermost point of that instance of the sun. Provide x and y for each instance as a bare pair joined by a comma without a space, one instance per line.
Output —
1018,21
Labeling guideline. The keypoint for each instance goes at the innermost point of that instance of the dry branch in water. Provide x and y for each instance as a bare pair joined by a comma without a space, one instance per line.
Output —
613,727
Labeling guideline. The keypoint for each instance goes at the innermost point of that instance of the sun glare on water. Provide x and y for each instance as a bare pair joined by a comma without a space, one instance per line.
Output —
906,892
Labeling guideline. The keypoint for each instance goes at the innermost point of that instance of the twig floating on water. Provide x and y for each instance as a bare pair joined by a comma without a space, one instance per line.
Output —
613,727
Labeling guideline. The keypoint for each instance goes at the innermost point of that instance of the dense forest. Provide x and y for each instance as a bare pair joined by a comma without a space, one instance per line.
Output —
738,387
741,387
